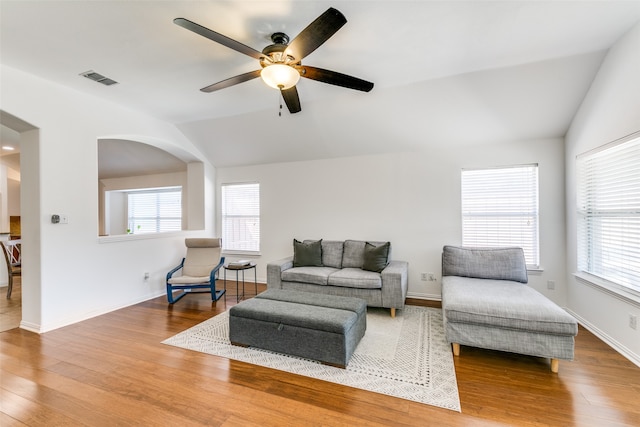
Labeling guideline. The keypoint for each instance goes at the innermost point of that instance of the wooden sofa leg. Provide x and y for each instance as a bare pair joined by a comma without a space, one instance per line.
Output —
555,364
393,312
456,348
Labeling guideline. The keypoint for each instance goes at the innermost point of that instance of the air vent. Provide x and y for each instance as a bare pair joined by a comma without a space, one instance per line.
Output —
96,77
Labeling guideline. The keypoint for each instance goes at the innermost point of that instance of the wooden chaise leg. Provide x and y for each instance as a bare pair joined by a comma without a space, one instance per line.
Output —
393,312
456,348
555,364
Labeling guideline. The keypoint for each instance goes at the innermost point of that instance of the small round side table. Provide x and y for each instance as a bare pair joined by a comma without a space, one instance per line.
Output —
238,269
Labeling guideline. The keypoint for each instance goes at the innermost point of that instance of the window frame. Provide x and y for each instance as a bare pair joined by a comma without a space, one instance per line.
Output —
158,217
530,206
231,246
594,262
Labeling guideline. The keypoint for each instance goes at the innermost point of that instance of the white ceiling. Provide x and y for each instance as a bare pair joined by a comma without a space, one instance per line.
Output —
454,72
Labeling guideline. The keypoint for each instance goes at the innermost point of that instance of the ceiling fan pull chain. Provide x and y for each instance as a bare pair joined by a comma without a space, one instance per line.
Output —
280,100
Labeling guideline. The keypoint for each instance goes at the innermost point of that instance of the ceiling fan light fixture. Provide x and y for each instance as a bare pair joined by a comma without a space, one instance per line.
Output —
280,76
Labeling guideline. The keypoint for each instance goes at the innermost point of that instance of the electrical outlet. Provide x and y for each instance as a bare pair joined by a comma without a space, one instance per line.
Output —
551,284
633,321
431,277
424,277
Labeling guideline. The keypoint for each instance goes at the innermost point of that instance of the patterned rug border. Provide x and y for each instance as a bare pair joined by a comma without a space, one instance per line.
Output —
429,378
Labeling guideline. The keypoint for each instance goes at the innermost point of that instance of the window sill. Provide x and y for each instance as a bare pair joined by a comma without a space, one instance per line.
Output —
243,253
613,289
130,237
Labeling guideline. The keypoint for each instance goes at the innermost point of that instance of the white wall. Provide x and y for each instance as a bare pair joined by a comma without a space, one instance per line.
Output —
410,199
116,217
610,111
13,188
69,273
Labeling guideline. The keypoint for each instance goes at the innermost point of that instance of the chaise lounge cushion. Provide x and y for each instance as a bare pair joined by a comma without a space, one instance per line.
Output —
485,263
503,304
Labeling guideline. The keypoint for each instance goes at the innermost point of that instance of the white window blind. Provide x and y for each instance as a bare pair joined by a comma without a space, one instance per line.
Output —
500,208
241,217
609,212
155,210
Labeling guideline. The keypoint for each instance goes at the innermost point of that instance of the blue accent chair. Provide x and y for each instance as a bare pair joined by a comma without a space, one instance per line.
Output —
198,270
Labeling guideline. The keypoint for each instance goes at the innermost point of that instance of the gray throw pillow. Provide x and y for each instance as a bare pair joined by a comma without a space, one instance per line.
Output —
307,254
376,258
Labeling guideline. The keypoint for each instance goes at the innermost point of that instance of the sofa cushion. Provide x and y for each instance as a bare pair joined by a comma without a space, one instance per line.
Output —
353,255
503,304
376,258
314,275
485,263
332,253
355,278
307,253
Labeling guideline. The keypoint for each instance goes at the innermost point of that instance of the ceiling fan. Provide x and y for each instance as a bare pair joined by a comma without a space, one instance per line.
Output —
281,66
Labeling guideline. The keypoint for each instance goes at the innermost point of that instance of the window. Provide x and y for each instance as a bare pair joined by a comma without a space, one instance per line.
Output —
154,210
608,186
500,208
241,217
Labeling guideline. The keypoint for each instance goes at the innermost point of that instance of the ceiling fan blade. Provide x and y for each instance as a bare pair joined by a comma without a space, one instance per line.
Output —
218,38
334,78
241,78
292,99
316,33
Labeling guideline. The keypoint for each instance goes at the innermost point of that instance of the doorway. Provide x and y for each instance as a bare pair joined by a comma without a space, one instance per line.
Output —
11,129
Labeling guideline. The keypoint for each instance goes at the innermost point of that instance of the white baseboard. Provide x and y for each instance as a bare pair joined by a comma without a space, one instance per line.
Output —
432,297
85,316
620,348
31,327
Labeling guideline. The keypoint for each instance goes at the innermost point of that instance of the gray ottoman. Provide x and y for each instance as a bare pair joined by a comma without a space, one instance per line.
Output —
325,328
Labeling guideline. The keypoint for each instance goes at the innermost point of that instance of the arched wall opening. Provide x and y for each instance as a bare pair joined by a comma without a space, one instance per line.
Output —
143,168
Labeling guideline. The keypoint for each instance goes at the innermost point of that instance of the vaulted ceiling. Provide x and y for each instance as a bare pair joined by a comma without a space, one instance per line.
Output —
445,72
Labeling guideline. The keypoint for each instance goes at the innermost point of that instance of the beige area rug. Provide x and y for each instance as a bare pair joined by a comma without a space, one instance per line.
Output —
405,357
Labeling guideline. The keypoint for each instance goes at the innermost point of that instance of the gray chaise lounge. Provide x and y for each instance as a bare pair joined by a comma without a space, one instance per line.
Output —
486,303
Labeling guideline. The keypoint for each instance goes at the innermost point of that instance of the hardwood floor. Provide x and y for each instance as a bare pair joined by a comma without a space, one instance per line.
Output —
113,370
11,309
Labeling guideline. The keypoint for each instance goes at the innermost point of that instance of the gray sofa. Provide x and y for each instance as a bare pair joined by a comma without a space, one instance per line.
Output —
486,303
344,268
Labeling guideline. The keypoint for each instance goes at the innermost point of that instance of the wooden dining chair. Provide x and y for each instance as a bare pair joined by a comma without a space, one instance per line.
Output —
11,250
